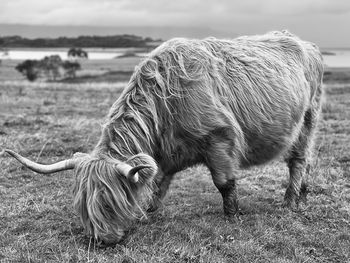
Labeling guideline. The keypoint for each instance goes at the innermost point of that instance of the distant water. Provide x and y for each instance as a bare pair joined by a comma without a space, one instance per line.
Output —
18,54
337,58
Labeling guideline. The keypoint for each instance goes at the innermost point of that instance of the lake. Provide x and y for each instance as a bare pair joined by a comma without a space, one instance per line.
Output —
338,58
335,58
23,54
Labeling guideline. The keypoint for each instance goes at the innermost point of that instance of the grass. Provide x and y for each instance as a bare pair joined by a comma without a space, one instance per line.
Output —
50,121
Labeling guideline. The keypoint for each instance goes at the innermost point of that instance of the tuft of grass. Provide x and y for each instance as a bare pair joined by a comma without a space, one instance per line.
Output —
50,121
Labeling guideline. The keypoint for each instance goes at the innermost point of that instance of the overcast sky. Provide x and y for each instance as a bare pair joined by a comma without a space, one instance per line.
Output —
326,22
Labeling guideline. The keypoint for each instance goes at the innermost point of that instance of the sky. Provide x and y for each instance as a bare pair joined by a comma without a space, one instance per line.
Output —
325,22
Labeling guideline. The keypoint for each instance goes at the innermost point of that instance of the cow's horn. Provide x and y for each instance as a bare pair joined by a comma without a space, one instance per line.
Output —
131,172
43,168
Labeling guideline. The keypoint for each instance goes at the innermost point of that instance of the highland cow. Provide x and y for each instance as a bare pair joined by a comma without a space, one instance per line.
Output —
227,104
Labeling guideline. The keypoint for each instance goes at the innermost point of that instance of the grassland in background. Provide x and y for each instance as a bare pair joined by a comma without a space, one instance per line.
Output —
50,121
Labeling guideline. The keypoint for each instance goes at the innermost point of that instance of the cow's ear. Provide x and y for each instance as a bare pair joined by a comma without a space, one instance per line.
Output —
144,169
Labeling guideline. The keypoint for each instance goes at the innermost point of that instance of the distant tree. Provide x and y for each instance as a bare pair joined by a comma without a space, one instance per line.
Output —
77,53
78,42
29,68
52,66
71,68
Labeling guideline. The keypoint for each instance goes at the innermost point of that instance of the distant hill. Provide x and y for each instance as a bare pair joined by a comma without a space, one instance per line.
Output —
119,41
163,32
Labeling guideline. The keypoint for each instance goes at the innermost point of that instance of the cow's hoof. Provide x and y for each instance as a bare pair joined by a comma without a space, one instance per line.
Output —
303,194
237,213
232,211
290,204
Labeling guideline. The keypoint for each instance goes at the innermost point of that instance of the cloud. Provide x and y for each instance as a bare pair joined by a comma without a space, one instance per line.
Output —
239,7
161,12
306,7
317,20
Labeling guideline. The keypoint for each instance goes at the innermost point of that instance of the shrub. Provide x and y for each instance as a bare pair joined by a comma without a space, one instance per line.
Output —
70,68
29,68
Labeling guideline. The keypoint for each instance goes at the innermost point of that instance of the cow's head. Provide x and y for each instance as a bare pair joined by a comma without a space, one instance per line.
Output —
108,194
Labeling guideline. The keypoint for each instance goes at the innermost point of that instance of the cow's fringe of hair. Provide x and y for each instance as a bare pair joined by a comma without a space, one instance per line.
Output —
198,85
106,200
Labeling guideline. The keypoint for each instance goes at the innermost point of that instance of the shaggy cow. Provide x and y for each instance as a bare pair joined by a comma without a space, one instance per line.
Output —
228,104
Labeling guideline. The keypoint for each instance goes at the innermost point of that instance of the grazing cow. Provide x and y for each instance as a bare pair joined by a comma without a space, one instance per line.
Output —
228,104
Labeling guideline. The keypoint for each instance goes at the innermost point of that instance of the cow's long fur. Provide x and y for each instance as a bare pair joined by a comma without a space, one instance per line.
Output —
253,91
107,201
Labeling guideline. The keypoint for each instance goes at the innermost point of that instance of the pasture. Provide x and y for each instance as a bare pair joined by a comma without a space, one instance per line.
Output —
50,121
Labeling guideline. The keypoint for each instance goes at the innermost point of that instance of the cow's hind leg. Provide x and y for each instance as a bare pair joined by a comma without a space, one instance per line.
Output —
220,161
298,161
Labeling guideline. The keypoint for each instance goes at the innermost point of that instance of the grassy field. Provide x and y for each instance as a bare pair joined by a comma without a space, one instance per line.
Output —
50,121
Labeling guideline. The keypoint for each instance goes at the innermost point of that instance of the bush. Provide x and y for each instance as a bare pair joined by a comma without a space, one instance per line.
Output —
29,68
71,68
53,67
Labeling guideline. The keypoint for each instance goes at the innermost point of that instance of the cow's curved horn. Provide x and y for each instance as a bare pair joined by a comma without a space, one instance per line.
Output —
44,168
131,172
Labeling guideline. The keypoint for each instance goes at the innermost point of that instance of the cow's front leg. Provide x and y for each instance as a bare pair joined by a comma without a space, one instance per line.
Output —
229,197
220,161
162,185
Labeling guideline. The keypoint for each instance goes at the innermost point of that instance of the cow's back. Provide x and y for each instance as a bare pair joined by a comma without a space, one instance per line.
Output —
257,87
